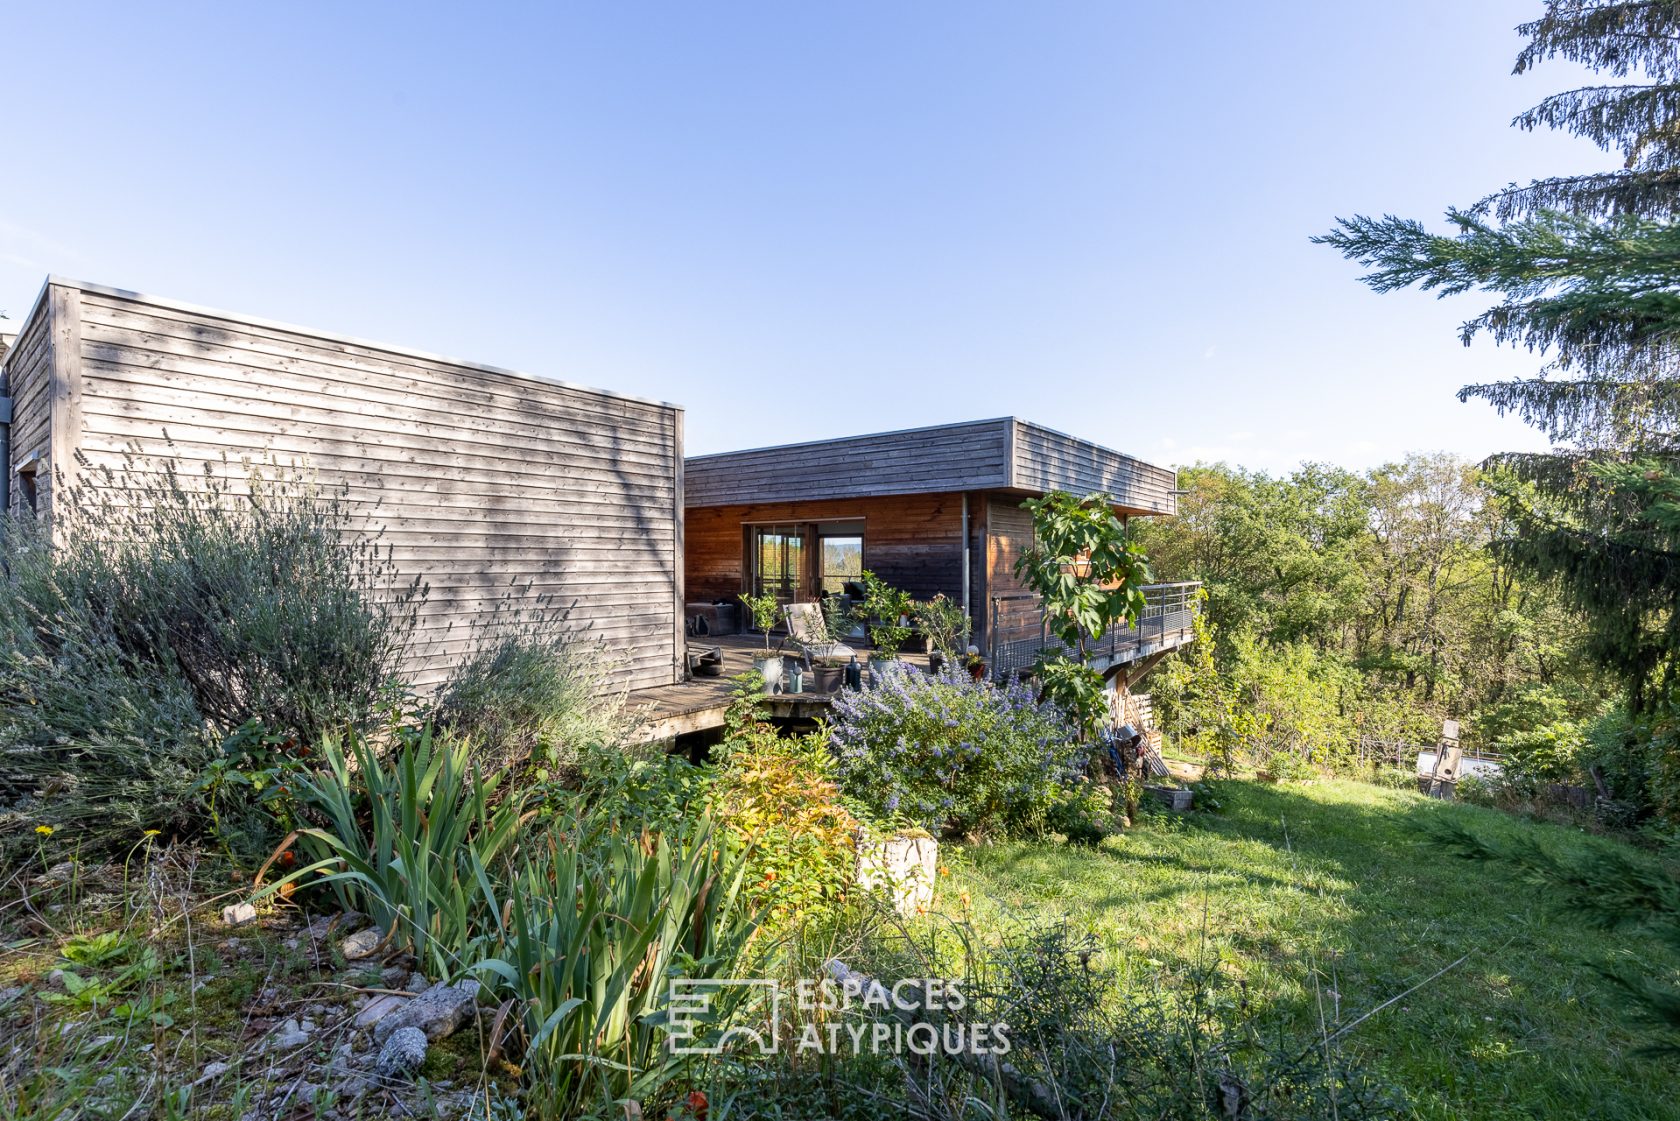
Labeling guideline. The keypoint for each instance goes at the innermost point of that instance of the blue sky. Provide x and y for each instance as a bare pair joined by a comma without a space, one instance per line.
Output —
809,220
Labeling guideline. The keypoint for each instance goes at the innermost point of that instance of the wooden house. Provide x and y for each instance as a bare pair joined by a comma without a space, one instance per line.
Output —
929,510
479,478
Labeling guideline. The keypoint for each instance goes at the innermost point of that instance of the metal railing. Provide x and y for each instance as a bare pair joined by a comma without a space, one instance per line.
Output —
1017,631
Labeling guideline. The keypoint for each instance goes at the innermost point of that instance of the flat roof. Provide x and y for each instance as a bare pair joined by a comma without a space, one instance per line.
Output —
1001,453
328,336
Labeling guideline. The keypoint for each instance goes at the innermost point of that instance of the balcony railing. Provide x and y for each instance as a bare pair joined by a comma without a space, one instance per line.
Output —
1016,631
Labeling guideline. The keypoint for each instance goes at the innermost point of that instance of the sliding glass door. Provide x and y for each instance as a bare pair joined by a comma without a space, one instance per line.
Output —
779,562
804,561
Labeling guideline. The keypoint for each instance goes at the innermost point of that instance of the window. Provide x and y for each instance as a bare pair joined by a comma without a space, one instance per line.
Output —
801,562
841,556
779,562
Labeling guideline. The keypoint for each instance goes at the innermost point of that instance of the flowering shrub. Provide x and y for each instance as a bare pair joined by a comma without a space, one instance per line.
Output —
956,755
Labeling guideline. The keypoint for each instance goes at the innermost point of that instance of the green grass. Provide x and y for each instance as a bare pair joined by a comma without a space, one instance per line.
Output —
1326,899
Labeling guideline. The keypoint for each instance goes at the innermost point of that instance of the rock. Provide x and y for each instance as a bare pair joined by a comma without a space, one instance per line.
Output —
416,983
56,978
239,914
437,1013
393,976
61,873
402,1054
360,945
377,1009
287,1036
10,995
212,1071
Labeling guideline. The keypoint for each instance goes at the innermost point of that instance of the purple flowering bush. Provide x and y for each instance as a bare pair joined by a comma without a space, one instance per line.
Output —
954,755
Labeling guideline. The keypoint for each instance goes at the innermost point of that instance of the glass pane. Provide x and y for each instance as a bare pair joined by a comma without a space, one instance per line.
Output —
779,562
842,560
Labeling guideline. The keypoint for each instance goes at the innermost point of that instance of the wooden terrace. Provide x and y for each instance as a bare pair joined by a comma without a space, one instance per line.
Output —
697,705
665,712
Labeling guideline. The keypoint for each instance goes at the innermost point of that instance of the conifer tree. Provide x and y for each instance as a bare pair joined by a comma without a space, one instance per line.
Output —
1587,271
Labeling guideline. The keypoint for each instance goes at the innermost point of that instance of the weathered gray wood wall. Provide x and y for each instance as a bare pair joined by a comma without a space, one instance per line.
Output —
951,457
478,478
28,382
1003,454
1046,460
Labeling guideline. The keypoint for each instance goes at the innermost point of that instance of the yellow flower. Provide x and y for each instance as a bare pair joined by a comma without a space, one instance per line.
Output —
151,833
44,830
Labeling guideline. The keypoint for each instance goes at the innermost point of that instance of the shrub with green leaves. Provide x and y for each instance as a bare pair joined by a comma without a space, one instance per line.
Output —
779,796
536,691
170,611
955,755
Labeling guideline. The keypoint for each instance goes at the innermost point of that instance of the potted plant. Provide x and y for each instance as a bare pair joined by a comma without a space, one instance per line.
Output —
946,625
763,610
886,611
976,664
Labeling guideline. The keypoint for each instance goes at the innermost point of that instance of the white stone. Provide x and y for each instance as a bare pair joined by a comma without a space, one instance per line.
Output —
902,867
239,914
289,1035
377,1009
360,945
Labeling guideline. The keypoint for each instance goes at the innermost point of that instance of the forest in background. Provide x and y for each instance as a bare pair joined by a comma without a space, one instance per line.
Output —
1349,613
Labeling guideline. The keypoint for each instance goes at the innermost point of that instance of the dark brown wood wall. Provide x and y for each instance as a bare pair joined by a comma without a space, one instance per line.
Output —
911,541
1009,532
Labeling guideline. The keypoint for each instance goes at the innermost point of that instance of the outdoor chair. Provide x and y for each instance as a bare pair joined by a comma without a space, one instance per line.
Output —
809,632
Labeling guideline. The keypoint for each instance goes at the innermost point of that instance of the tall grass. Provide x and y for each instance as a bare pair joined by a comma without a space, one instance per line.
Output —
589,940
407,841
572,919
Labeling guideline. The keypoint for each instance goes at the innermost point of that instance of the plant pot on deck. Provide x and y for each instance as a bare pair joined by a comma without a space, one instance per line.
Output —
878,667
769,667
825,679
936,662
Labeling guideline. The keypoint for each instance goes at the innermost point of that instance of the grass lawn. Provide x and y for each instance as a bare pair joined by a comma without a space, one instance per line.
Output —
1325,895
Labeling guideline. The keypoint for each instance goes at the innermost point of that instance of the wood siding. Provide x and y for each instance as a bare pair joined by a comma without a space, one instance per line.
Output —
476,478
912,542
1047,460
29,367
1009,533
1003,454
952,457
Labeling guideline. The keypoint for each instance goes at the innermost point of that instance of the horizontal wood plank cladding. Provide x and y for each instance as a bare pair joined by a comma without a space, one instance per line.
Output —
1003,454
494,489
277,351
1009,533
29,384
950,458
911,541
1047,460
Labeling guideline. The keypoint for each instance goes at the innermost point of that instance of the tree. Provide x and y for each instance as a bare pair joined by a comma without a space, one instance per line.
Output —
1088,578
1588,268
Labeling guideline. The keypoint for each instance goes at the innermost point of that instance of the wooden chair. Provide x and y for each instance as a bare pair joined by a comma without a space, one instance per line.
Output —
807,631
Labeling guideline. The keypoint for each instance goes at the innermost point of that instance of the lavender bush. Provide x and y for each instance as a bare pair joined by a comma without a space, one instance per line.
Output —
955,756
